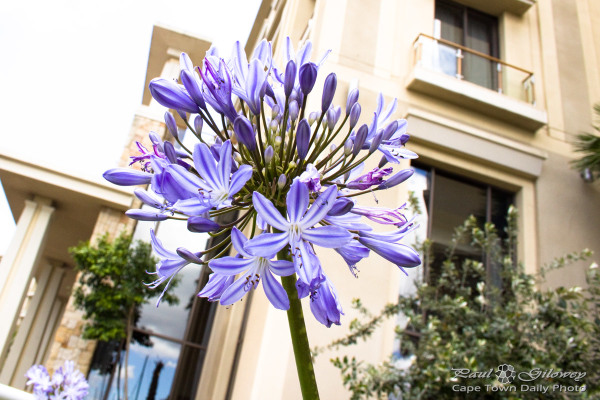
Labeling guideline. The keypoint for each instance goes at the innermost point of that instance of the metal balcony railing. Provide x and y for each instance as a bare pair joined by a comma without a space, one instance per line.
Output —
470,65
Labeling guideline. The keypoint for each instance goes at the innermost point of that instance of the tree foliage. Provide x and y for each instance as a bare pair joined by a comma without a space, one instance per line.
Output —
461,321
111,286
588,144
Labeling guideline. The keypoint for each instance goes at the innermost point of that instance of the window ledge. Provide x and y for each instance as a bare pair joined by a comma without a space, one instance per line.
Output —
497,7
476,98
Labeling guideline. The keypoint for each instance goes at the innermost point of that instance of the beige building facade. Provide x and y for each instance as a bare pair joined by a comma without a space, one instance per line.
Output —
494,92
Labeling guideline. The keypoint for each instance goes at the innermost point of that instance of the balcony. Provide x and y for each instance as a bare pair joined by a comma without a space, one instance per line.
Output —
474,80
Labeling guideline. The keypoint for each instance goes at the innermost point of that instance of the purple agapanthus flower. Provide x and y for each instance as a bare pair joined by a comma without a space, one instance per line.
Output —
67,383
271,167
253,269
299,229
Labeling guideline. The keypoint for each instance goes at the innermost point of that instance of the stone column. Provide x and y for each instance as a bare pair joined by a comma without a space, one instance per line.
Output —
18,265
29,345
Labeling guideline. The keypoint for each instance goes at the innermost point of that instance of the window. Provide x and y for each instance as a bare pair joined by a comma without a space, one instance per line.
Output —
169,343
474,30
447,200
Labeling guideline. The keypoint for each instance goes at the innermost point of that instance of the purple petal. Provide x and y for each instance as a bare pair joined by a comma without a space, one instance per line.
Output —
320,207
266,244
239,178
239,240
169,94
230,265
200,225
224,165
191,84
146,215
215,286
282,267
235,292
127,177
268,212
327,236
275,292
297,200
205,164
245,132
398,254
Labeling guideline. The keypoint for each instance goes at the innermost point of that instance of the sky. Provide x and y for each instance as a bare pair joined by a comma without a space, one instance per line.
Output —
72,74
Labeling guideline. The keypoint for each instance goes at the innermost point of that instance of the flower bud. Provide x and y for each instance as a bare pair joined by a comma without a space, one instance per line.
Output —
171,95
293,109
359,140
192,86
127,177
354,115
333,116
396,179
273,125
185,63
171,124
275,111
269,154
328,91
348,147
277,140
198,124
237,157
199,225
302,138
182,115
146,215
290,77
307,77
245,132
352,99
389,130
281,181
376,141
313,116
189,256
341,206
170,152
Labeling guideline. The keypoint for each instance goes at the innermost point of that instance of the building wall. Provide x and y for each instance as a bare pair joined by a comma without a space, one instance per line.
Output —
372,41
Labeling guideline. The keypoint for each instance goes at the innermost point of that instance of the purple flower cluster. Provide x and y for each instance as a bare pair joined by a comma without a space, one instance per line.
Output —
67,383
292,173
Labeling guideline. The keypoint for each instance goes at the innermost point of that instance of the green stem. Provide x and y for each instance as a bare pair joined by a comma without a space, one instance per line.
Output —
306,372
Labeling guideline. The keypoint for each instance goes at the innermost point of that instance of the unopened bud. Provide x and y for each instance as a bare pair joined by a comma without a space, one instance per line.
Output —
198,124
171,125
348,147
281,181
269,154
293,110
313,116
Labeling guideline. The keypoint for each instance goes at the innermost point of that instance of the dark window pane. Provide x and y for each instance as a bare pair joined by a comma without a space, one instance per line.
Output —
454,201
451,18
171,320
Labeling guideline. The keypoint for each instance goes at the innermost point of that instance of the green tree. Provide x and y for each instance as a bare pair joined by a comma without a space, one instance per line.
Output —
588,144
461,321
111,290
